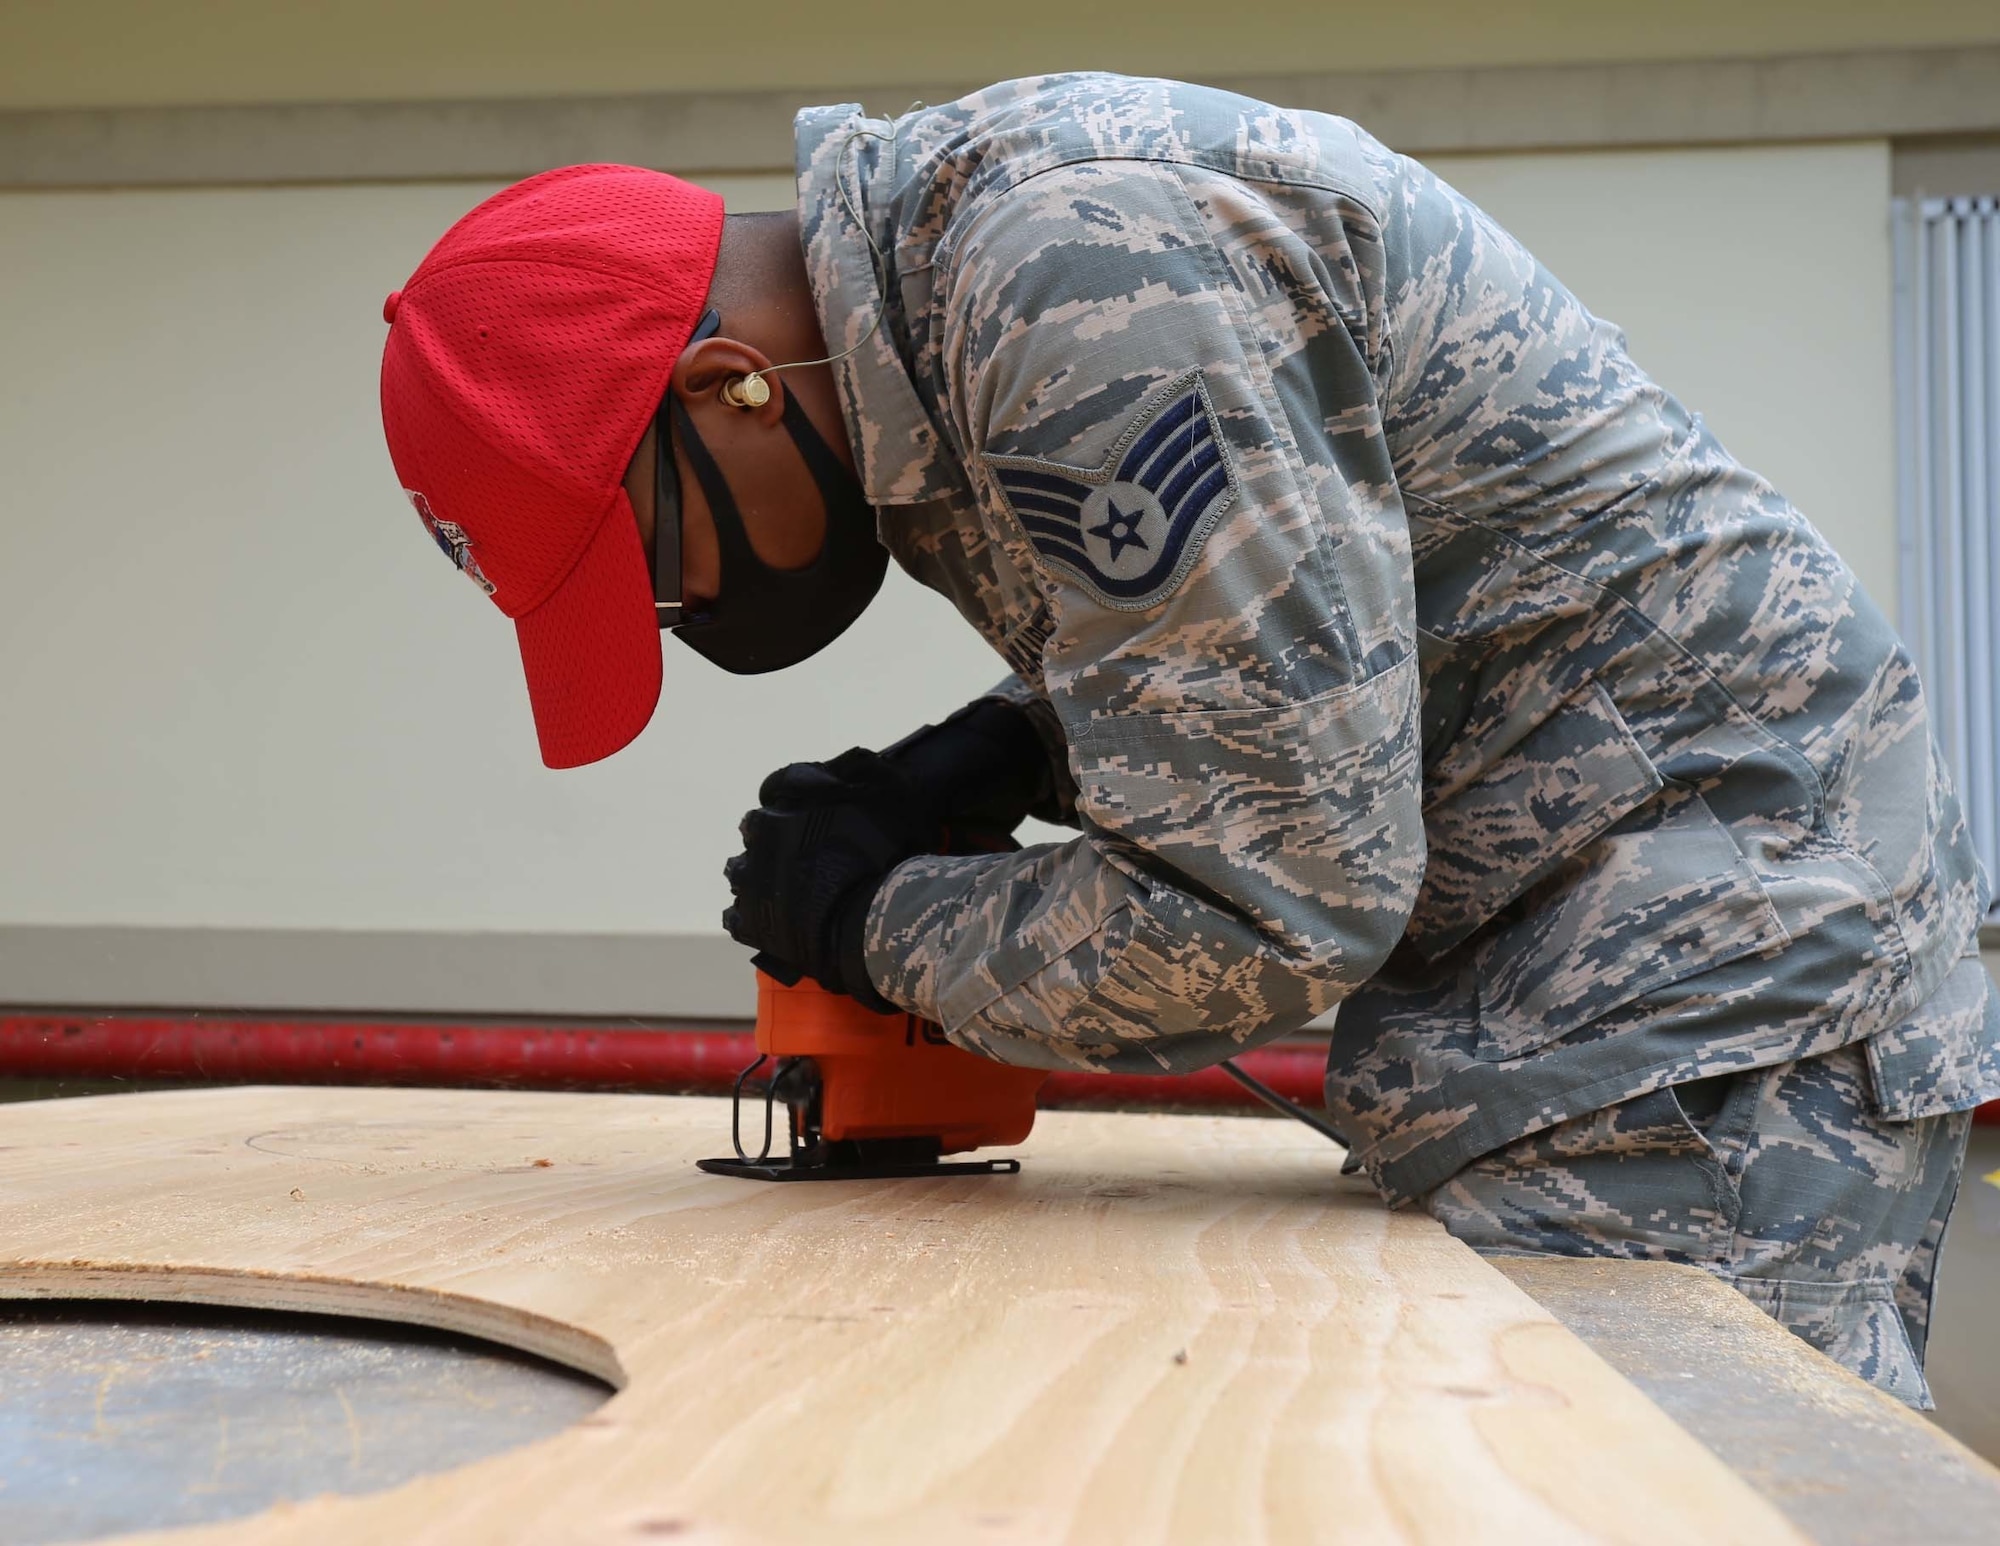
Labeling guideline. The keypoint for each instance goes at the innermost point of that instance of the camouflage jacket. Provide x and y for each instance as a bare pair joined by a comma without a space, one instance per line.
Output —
1408,647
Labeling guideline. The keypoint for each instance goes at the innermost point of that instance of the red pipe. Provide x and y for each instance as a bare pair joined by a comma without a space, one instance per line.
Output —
528,1056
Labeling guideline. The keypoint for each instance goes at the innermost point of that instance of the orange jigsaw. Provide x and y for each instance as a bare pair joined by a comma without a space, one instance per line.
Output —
872,1095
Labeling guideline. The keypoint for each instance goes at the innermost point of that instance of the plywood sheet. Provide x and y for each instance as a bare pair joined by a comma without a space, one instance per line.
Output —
1847,1463
1164,1329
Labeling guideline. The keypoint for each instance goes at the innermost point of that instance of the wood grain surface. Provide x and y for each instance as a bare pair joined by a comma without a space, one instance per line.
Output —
1166,1328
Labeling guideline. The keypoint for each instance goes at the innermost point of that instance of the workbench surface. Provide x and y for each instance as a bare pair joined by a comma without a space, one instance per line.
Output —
1165,1328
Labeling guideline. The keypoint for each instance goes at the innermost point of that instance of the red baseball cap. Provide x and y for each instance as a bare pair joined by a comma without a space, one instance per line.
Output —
526,356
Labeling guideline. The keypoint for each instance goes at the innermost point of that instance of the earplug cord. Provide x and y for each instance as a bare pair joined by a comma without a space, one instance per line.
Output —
854,214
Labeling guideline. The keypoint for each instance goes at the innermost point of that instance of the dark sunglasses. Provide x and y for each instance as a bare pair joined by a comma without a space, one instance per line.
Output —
667,606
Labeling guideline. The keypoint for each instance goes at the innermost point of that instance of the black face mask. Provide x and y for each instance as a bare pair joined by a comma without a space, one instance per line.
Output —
767,619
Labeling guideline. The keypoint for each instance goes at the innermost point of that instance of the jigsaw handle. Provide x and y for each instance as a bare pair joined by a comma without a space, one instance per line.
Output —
775,969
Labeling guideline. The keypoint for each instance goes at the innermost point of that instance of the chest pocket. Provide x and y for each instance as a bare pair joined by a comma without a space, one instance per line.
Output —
1519,820
1612,882
1658,897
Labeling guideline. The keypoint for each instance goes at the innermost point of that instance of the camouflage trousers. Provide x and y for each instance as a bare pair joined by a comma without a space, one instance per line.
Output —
1783,1181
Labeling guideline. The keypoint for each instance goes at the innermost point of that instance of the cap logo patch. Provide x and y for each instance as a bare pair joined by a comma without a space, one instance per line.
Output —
1130,530
451,540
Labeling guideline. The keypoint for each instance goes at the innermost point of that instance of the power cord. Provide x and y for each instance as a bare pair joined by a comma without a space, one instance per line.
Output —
1278,1103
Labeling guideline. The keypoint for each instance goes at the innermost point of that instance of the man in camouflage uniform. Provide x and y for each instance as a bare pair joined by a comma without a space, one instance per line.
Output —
1398,645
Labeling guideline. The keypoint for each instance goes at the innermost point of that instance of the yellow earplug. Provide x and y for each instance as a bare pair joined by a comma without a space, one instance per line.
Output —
751,391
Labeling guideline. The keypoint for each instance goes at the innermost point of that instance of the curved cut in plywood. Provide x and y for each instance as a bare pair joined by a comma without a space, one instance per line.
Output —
304,1293
118,1416
1164,1329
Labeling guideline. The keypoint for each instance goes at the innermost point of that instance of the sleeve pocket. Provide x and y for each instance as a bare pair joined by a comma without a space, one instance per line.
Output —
1301,819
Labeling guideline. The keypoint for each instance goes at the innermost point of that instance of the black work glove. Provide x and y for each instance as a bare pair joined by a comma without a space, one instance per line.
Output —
965,784
826,834
980,772
815,852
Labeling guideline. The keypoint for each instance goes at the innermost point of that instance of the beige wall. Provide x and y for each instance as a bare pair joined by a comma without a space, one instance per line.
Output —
242,689
124,52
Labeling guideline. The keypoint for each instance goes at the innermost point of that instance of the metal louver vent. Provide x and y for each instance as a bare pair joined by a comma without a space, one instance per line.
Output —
1948,453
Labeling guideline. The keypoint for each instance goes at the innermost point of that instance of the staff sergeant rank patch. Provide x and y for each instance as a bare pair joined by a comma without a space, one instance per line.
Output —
1129,531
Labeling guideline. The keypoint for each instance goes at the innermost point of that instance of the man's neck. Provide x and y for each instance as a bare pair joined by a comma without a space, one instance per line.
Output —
761,287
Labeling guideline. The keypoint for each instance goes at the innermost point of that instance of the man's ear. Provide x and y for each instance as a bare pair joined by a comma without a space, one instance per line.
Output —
705,368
